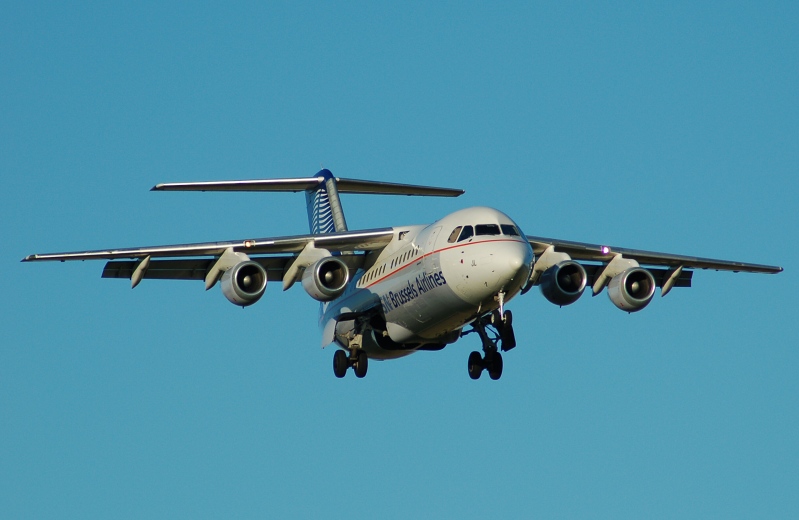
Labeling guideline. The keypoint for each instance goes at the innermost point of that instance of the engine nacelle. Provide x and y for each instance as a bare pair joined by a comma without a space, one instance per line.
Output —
632,290
326,278
563,283
244,283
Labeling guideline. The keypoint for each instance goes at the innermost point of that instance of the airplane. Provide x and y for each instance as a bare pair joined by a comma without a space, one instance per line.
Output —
389,292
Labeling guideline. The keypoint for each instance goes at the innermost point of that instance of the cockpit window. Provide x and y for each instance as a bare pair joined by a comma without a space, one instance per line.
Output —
454,235
509,230
466,233
487,229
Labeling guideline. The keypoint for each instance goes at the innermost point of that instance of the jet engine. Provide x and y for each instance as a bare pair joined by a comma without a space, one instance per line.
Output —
563,283
244,283
326,278
632,290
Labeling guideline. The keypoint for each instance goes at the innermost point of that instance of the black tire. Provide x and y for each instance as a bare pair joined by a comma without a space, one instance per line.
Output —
340,363
508,339
475,365
508,321
495,366
361,364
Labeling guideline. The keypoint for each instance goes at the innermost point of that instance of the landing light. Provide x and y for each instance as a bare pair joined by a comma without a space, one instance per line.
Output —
605,250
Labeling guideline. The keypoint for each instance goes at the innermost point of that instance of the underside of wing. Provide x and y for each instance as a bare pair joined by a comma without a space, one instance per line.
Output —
259,260
564,269
198,268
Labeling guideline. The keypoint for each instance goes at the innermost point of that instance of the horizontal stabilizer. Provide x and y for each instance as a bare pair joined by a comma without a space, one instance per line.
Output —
390,188
309,183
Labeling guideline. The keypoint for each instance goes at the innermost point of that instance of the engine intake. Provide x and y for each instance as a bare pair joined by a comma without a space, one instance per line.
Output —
563,283
632,290
244,283
326,279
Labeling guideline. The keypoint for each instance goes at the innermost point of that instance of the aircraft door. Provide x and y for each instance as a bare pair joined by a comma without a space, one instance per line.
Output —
431,261
423,308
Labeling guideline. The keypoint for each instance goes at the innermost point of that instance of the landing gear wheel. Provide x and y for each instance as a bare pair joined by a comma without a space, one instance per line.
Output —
361,364
340,363
496,319
495,366
508,339
475,365
508,319
506,335
501,321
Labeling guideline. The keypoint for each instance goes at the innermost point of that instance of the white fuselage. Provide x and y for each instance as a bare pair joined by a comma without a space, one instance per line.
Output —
432,280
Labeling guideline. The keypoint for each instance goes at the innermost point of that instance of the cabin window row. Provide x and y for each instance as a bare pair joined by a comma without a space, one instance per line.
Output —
374,273
403,258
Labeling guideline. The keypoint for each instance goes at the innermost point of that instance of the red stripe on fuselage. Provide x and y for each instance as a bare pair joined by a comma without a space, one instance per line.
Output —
392,273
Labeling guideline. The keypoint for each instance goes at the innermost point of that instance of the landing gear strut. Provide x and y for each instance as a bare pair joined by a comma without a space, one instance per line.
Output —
356,359
496,333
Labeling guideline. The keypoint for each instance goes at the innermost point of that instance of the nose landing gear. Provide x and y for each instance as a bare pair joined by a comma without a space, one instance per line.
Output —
496,333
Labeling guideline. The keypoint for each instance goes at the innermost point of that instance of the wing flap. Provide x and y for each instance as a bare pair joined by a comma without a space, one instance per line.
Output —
197,268
185,269
661,275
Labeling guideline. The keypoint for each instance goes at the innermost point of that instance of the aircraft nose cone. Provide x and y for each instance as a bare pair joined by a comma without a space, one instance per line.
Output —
515,262
518,259
484,269
510,263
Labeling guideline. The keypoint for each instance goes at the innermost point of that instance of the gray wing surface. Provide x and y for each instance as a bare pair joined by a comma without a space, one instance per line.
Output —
600,253
347,241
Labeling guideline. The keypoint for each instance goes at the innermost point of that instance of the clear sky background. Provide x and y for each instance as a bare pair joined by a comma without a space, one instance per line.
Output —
670,127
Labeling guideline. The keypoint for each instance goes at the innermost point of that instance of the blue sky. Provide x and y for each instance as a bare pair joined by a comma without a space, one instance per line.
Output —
669,127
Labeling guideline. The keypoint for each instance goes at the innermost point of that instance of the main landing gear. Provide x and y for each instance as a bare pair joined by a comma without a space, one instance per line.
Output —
496,333
356,359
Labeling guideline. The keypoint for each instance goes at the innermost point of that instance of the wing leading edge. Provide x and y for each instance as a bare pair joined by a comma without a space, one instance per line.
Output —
347,241
604,254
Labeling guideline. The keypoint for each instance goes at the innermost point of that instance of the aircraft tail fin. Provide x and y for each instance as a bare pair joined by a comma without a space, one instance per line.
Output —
325,214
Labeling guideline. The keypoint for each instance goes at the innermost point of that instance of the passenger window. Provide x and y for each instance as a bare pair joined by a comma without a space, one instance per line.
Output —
509,230
466,233
487,229
454,235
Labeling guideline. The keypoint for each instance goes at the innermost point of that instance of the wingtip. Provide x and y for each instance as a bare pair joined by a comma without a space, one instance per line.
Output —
157,187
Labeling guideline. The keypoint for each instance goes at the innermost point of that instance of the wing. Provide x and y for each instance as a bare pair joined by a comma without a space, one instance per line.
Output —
181,262
604,254
345,241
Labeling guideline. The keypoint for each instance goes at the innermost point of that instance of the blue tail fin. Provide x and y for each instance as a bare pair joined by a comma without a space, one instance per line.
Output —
324,207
